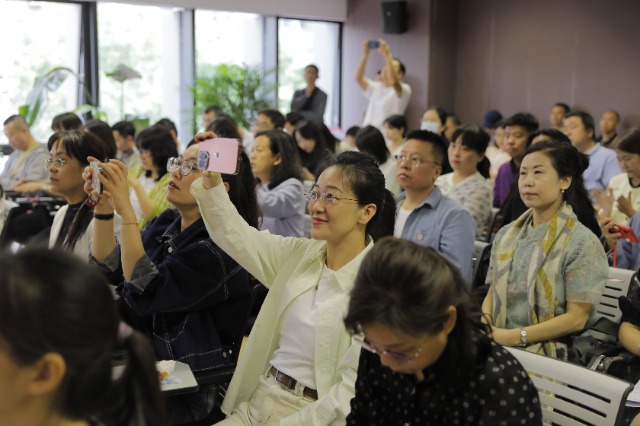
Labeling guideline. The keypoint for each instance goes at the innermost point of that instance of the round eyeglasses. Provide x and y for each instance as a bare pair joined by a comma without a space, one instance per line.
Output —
185,166
328,198
398,356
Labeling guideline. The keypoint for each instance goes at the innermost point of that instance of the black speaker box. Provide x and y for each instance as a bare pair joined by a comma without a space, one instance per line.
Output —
395,17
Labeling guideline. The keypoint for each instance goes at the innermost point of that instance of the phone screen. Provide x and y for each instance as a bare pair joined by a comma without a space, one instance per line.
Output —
374,44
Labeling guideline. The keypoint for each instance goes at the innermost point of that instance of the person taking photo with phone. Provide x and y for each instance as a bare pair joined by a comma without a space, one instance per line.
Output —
175,284
388,96
299,364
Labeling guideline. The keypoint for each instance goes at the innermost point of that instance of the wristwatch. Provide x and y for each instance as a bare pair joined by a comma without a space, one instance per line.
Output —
523,337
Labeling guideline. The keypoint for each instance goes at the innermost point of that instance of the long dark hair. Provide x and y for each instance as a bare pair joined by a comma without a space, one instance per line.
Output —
629,141
371,141
409,288
104,132
79,145
282,144
311,160
242,192
68,309
568,162
363,176
477,139
160,143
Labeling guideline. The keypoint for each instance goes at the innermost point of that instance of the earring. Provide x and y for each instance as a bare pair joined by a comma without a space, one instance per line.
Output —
563,189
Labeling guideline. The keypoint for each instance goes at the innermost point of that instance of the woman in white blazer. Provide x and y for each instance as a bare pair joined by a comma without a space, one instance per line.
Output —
299,364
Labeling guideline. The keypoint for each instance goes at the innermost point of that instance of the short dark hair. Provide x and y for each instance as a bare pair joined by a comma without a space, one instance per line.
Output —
159,141
563,106
167,124
66,121
585,118
442,113
104,132
616,113
315,68
401,66
294,118
18,121
276,117
282,144
438,144
125,128
214,108
225,127
371,141
523,119
550,134
352,131
397,121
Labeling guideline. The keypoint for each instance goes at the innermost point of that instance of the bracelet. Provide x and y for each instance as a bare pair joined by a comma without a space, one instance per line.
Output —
99,216
129,223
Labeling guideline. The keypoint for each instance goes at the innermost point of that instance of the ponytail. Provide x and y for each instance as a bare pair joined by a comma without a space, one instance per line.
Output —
135,397
483,167
79,226
383,223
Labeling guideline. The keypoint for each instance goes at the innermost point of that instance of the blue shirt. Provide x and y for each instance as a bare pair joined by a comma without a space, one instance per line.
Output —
283,208
444,225
603,165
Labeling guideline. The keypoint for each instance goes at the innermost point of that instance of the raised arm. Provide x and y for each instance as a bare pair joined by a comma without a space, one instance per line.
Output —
390,67
363,81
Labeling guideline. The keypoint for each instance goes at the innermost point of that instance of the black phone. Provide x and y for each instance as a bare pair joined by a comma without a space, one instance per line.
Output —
374,44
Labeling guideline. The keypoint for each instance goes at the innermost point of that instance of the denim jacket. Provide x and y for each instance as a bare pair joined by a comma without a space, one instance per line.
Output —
186,294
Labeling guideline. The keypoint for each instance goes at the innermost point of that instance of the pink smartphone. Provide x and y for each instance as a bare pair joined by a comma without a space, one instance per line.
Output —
220,155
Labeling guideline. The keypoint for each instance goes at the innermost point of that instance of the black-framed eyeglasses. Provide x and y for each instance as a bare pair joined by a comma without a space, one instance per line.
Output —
185,166
398,356
327,197
414,160
58,162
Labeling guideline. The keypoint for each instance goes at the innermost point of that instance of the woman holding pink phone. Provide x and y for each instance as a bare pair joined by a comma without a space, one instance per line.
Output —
299,364
175,284
547,270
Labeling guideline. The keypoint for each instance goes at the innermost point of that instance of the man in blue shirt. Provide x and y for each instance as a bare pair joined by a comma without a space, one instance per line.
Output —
424,215
603,164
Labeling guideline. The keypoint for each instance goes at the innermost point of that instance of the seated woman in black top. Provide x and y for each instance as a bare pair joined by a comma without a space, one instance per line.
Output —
179,288
427,358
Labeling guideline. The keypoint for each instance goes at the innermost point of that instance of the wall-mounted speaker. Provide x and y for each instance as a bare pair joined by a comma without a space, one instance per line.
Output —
395,17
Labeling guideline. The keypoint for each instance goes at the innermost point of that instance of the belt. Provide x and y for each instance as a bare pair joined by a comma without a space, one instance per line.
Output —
290,383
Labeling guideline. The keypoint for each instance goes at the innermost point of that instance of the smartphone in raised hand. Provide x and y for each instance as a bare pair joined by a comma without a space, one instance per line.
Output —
96,170
374,44
221,155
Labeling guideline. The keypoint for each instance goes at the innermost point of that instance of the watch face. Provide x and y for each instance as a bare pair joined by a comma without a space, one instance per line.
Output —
523,337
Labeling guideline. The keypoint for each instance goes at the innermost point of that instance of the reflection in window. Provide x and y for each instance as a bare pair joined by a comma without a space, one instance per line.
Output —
145,39
36,37
301,43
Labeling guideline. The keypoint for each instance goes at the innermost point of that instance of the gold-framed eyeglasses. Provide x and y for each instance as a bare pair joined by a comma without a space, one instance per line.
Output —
57,162
328,198
185,166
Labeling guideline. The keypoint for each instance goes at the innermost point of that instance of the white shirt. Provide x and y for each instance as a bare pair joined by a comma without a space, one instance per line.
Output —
383,102
148,184
401,220
294,356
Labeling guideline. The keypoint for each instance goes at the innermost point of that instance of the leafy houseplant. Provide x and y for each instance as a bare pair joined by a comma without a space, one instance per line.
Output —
241,91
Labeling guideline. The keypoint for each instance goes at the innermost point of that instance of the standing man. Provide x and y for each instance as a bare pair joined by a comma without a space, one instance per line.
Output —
26,162
423,214
608,128
310,101
390,95
603,164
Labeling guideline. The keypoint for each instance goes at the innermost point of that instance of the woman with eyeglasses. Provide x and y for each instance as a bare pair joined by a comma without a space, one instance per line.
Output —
299,365
68,156
175,284
428,358
148,180
276,166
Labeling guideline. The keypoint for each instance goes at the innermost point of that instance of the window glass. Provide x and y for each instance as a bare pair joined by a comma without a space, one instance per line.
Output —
36,38
301,43
139,40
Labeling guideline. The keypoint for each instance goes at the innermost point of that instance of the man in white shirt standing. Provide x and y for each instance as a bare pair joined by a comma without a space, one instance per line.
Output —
388,96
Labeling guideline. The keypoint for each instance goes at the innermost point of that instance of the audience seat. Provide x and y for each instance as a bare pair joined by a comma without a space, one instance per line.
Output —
574,395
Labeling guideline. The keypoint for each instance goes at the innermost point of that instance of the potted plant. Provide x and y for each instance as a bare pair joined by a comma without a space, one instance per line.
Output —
241,91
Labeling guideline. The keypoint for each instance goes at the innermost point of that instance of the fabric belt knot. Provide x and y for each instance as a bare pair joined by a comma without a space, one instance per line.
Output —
290,383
